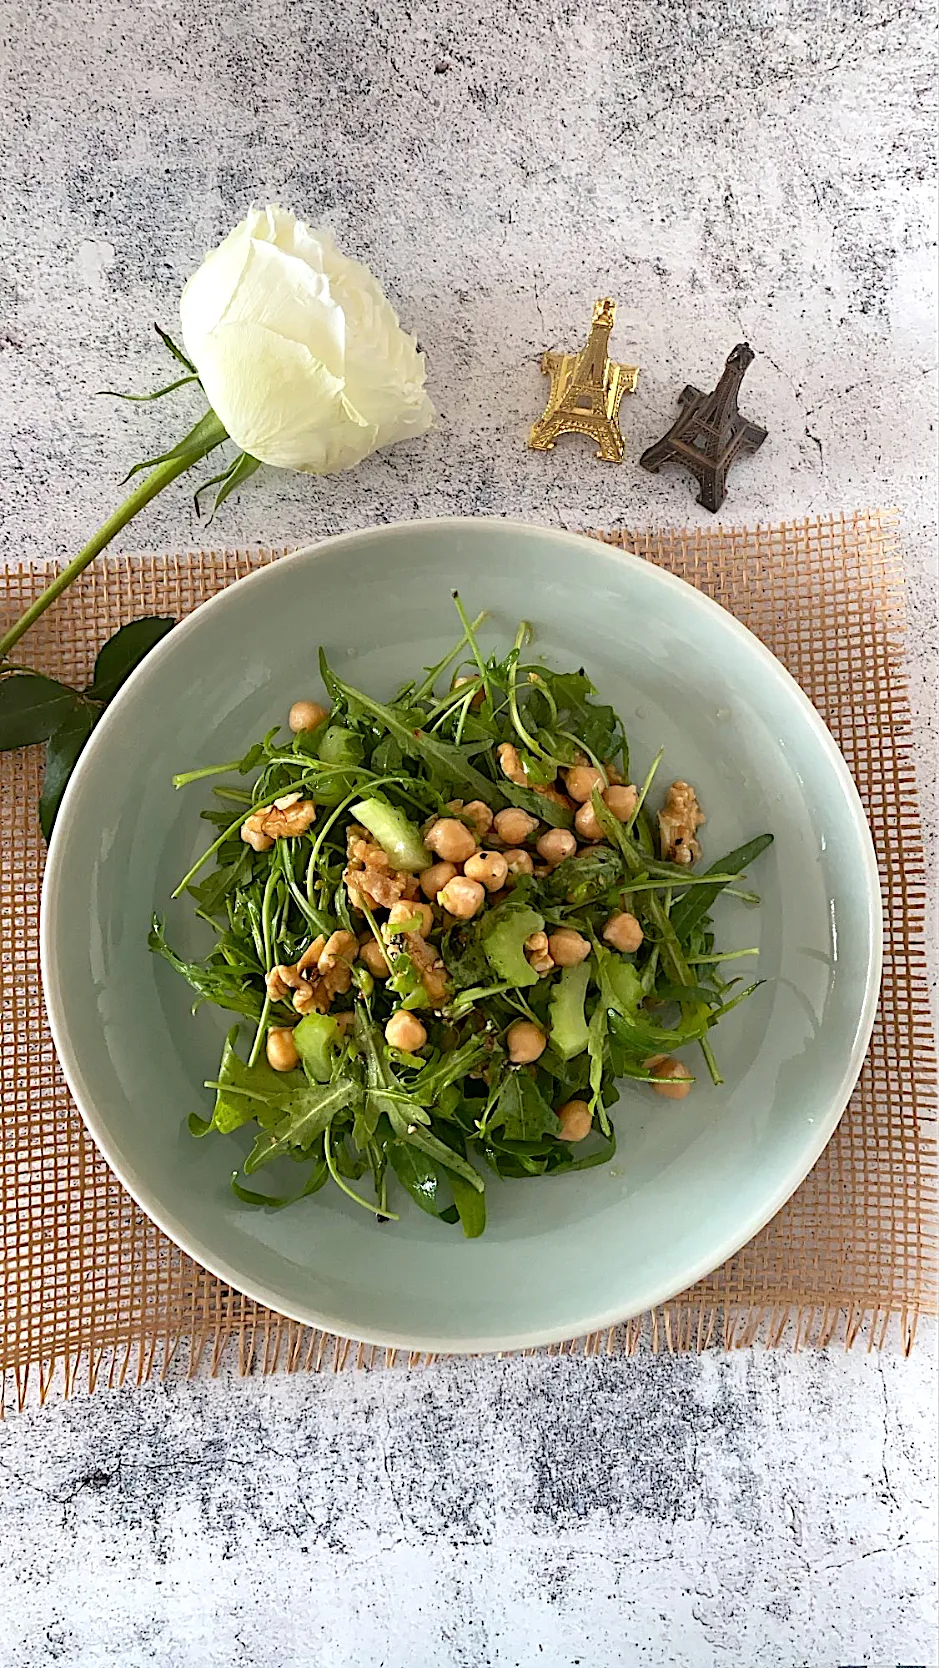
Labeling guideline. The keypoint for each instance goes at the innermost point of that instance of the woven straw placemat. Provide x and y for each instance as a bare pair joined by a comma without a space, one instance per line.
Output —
90,1286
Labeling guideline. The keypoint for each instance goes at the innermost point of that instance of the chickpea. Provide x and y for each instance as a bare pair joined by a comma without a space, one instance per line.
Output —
621,801
489,868
434,879
478,816
623,932
280,1048
403,911
588,824
519,862
462,897
371,955
663,1067
306,715
451,840
514,826
576,1120
568,948
557,844
581,780
405,1031
525,1042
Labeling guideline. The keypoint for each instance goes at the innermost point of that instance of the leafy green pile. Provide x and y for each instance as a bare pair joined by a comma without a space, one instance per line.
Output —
356,1107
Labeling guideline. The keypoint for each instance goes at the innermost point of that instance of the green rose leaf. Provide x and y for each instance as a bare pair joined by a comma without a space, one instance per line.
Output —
122,653
62,750
31,708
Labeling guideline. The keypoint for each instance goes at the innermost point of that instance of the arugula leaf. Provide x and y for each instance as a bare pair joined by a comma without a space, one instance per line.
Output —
540,772
567,1079
665,992
536,804
620,984
621,994
225,985
521,1110
639,1039
580,879
735,1001
571,690
430,1083
585,1161
600,731
596,1044
254,755
429,1144
308,1109
245,1092
636,863
387,757
122,653
470,1202
691,908
384,1092
210,894
274,1201
595,724
415,1172
445,761
465,958
32,707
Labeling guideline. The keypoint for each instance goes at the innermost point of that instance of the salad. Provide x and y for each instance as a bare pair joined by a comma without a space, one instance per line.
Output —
448,925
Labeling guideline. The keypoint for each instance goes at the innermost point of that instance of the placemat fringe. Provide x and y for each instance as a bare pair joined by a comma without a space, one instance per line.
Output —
298,1350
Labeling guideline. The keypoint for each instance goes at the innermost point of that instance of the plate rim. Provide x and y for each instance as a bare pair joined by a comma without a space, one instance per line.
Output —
655,1293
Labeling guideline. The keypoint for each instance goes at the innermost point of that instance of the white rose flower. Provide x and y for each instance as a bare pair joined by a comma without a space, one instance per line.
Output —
299,350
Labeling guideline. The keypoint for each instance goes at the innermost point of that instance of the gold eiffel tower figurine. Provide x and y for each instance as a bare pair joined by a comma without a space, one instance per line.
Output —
586,390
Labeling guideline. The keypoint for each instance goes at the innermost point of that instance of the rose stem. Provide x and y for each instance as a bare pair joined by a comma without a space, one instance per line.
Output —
207,434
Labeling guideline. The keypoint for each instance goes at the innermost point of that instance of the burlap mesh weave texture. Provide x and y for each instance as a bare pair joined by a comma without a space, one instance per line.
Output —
91,1291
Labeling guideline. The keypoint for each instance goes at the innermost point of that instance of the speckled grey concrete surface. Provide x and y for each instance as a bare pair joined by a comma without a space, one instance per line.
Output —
752,1510
762,171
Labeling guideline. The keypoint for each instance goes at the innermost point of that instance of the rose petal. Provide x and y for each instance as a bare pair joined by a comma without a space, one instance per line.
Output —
298,348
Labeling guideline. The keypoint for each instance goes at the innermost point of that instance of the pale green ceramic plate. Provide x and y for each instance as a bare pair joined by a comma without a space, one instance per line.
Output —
692,1180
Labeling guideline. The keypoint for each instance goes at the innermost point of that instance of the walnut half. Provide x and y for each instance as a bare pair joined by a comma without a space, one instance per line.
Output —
679,819
288,817
538,954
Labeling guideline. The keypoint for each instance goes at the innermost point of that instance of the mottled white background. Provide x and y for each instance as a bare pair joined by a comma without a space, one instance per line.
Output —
760,170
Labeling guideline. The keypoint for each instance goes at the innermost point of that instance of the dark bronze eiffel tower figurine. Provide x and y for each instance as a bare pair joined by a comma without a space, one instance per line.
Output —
709,434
